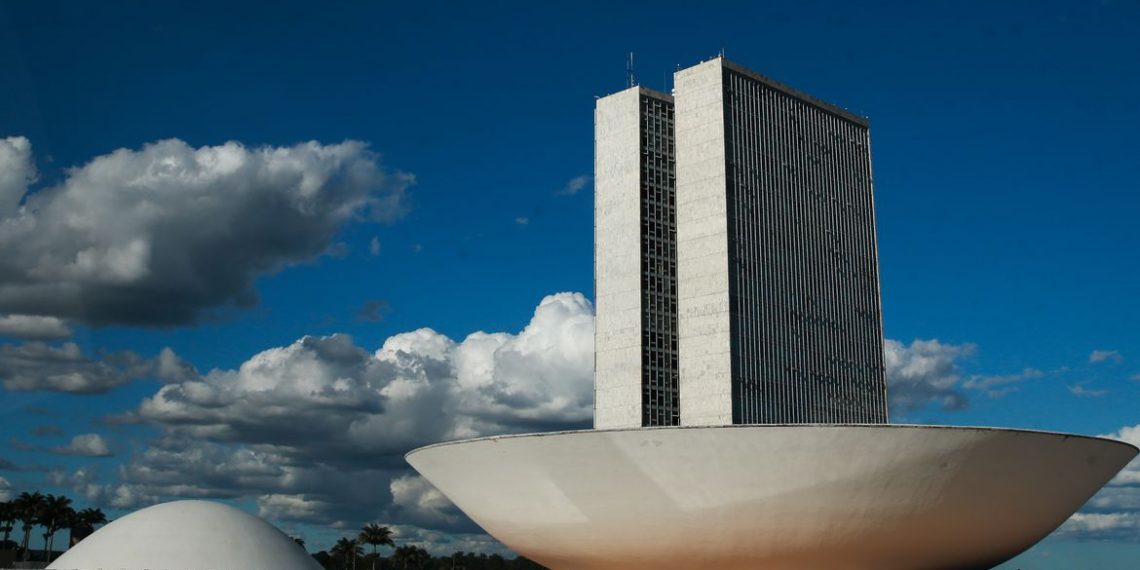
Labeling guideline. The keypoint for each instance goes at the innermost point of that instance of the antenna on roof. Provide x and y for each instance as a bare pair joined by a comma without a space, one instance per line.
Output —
722,52
629,71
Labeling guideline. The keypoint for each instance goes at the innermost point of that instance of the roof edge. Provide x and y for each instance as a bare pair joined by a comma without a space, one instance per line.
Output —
789,90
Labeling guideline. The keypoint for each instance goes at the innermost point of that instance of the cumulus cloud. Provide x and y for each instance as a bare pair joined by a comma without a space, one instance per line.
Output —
446,543
924,373
1080,391
1101,356
1114,513
574,185
31,327
85,482
1102,525
323,396
292,507
87,445
996,386
17,171
64,368
170,368
1120,495
1131,474
418,502
283,489
315,431
157,236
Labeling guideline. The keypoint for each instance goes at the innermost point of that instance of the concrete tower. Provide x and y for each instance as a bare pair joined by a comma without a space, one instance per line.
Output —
635,261
745,289
777,271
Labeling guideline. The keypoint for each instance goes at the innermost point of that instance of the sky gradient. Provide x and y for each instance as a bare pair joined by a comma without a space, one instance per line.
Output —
246,250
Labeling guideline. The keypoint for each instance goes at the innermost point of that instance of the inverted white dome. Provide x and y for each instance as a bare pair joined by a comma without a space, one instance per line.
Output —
800,497
187,535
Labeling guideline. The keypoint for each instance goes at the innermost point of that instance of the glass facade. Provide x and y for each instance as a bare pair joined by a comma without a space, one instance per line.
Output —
805,319
658,184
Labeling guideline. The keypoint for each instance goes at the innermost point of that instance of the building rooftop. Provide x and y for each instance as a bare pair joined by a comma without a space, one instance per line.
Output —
814,101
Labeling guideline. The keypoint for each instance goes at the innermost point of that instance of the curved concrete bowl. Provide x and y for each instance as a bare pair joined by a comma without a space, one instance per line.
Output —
816,497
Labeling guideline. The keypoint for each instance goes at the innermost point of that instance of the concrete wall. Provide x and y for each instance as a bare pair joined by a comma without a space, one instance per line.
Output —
705,342
617,260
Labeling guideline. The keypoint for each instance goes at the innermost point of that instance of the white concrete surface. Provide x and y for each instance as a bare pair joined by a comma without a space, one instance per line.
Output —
806,497
187,535
617,260
704,325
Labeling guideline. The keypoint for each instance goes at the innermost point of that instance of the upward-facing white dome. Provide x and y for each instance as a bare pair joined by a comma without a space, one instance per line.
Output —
187,535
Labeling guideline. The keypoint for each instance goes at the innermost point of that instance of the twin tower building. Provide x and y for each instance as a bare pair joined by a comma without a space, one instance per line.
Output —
736,265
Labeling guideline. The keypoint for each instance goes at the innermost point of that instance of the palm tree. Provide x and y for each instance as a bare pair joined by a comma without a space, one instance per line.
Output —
7,520
84,524
376,535
411,556
345,548
57,514
28,509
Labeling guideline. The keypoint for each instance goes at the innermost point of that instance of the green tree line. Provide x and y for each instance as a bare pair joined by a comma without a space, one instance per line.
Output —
348,554
51,514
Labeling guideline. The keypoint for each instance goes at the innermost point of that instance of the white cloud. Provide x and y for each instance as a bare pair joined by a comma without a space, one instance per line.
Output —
1114,512
286,507
924,373
5,490
1131,474
374,246
283,489
315,431
319,396
170,368
522,220
575,184
17,171
1102,525
158,235
1100,356
39,366
1119,495
419,502
87,445
447,543
32,327
1080,391
996,386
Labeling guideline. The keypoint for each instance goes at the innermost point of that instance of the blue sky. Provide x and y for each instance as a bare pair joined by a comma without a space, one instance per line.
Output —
1004,147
